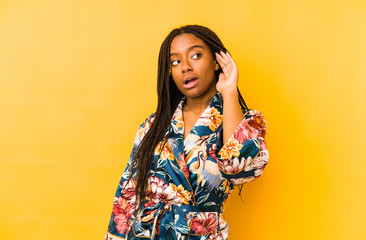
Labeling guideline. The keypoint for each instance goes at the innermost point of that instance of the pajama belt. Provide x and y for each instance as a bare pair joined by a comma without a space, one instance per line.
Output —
169,219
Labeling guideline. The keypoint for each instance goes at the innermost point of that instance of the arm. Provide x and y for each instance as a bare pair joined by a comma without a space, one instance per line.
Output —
125,197
227,86
232,114
244,154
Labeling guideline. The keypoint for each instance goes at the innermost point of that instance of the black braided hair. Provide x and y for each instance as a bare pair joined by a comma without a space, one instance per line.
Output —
168,99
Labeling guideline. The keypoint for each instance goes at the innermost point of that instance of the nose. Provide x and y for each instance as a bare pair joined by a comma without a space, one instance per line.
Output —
186,66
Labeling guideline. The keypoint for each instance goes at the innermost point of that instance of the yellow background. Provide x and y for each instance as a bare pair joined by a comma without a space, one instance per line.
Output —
78,77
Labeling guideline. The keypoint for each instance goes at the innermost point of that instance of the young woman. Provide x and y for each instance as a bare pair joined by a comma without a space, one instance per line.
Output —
188,155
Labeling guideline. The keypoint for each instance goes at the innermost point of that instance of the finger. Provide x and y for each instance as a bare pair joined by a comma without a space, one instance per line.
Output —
229,62
232,62
226,70
224,56
221,60
227,54
227,58
221,76
225,64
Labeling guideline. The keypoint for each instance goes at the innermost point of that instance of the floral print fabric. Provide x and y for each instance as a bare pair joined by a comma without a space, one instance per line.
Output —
191,178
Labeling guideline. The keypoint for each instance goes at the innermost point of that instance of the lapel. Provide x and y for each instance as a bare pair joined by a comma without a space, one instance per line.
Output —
176,131
209,122
199,137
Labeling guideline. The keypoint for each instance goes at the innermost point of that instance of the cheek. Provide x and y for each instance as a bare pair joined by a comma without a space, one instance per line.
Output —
207,65
209,70
177,83
175,78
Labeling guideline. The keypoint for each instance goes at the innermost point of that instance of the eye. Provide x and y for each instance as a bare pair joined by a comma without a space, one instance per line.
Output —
174,62
196,56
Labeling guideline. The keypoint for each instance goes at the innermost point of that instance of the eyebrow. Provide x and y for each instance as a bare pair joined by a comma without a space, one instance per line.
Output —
190,48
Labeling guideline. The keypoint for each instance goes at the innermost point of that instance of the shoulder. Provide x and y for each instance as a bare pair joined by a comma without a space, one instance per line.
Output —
148,121
145,125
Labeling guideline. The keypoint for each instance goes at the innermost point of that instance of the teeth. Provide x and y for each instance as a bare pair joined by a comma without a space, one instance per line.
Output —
188,80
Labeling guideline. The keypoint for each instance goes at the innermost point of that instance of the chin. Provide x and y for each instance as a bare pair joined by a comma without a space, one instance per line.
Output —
197,93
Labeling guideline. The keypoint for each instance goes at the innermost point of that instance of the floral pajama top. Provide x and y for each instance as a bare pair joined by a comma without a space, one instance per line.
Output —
191,179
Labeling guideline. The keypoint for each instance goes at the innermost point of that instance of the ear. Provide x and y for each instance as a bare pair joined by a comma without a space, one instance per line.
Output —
216,66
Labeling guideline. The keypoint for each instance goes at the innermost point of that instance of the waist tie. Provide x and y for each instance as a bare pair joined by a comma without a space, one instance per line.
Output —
168,220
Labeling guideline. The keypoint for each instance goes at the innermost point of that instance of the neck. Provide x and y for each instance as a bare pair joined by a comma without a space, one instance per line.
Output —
198,104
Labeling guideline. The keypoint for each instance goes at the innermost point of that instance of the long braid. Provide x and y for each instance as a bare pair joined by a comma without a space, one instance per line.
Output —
169,97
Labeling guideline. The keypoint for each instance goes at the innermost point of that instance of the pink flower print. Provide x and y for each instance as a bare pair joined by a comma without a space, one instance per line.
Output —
204,223
158,190
169,196
156,185
122,211
231,166
258,122
223,234
128,189
259,163
240,181
244,132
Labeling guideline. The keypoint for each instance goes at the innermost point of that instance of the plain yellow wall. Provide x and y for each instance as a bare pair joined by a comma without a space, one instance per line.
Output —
78,77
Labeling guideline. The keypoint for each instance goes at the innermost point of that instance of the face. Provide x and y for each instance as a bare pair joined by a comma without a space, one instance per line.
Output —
193,66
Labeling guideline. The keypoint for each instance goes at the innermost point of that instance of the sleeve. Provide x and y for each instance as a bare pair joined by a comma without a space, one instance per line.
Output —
243,157
125,197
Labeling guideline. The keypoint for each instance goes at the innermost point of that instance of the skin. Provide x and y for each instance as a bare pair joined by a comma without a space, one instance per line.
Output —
192,57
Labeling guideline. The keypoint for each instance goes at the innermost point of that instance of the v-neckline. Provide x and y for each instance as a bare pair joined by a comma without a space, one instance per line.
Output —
175,133
195,123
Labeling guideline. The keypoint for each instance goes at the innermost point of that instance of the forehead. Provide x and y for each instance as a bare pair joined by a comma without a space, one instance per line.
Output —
185,41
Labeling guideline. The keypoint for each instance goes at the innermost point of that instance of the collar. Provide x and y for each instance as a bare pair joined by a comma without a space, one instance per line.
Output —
209,122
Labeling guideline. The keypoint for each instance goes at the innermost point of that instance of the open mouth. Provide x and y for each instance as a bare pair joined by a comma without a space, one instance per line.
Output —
190,82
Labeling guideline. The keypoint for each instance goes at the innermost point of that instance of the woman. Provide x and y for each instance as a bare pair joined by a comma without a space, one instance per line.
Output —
187,156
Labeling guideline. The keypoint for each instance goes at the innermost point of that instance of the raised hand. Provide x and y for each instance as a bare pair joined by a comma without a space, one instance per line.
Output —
228,79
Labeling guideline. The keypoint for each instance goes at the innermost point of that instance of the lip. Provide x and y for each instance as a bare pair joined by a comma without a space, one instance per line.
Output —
190,82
